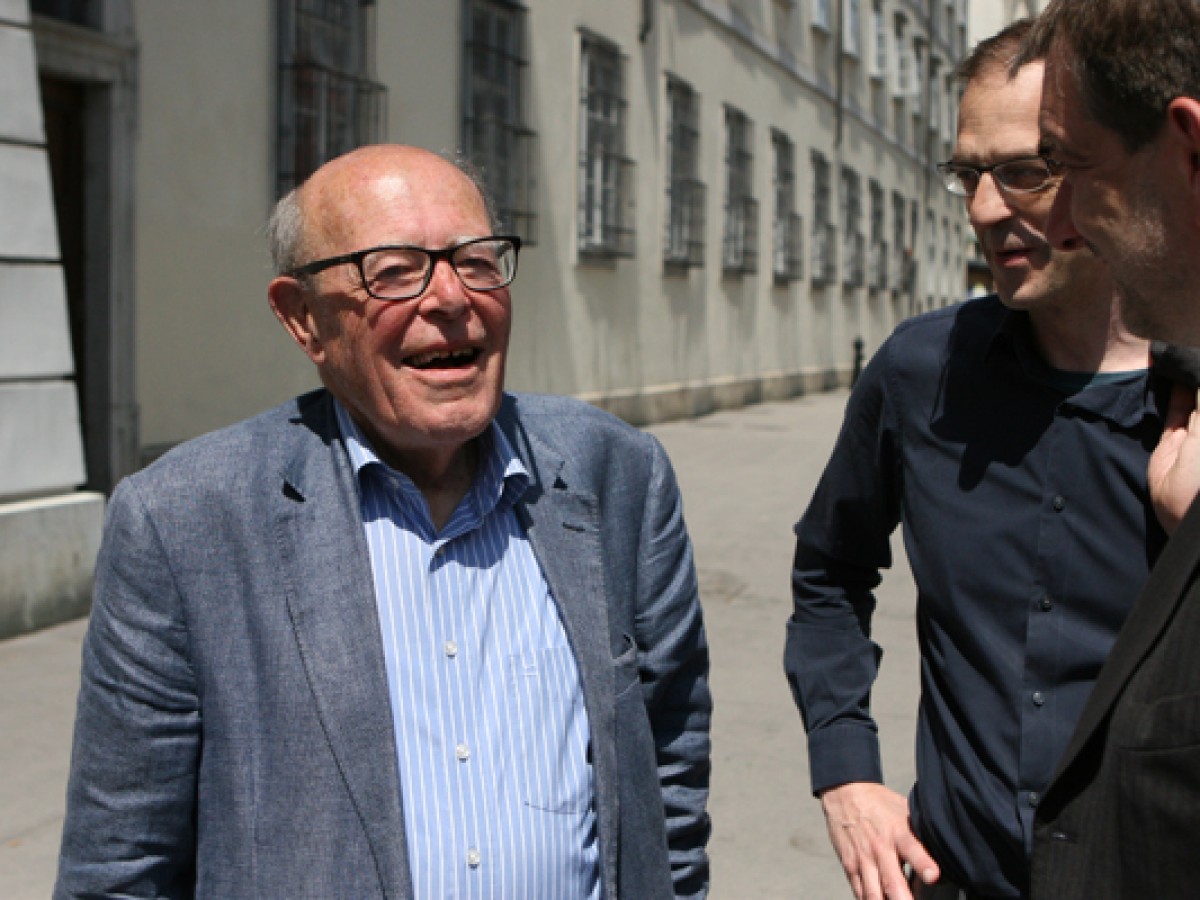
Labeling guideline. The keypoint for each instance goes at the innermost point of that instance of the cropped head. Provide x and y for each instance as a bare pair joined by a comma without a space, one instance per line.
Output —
391,280
1006,187
1120,122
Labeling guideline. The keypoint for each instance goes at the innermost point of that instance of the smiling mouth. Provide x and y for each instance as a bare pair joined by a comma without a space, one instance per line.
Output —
444,359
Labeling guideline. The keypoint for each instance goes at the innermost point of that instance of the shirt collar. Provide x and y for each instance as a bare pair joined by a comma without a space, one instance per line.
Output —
501,478
1124,403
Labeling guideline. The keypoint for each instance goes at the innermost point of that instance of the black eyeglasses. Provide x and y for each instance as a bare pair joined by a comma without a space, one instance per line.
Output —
1023,176
401,273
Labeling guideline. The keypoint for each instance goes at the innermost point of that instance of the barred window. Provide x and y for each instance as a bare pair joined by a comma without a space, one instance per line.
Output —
684,243
824,235
495,136
328,102
788,238
741,209
851,203
606,225
877,262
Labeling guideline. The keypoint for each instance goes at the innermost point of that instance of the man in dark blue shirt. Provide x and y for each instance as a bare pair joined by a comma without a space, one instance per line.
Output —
1011,436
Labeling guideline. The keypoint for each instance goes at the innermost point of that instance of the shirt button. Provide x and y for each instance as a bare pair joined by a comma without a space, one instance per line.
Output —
1034,798
474,858
463,752
1059,502
1038,698
1047,604
451,649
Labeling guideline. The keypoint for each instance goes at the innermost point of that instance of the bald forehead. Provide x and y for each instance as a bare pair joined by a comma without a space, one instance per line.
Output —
384,181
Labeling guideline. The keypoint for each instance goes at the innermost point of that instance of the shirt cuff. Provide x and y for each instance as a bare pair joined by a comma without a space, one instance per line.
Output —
839,754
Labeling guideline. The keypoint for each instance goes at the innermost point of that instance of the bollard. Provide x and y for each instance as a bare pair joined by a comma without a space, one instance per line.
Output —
858,361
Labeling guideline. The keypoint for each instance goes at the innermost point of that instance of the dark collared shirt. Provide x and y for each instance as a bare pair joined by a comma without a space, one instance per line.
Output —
1029,531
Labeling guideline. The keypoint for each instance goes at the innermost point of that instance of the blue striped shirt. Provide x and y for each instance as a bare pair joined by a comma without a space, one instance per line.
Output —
491,733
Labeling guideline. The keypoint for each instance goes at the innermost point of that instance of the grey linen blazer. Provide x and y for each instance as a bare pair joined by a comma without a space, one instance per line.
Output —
234,735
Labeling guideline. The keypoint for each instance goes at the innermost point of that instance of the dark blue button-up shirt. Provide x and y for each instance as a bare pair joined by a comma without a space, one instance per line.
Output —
1029,532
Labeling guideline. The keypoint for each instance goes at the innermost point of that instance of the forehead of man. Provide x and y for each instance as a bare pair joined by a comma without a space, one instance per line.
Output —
998,115
392,194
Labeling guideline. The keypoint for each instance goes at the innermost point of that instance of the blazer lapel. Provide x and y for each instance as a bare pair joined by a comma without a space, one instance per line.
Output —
331,602
563,525
1164,591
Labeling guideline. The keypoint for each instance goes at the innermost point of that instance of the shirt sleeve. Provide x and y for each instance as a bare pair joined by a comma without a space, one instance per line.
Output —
842,542
129,826
674,676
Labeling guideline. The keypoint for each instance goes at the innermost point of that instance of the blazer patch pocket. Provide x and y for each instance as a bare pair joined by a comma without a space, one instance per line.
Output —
549,739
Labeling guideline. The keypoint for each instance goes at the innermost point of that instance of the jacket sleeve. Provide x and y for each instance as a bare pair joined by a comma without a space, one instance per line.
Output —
843,540
129,828
674,674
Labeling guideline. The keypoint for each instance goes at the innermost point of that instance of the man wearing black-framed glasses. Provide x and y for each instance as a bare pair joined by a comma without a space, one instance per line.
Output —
1010,435
409,635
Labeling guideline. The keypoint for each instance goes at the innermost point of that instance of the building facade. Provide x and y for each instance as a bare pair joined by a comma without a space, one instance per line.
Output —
722,201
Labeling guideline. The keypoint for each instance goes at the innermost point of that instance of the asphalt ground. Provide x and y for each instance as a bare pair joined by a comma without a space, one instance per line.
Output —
746,476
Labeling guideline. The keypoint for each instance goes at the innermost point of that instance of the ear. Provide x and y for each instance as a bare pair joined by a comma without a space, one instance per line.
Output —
1183,125
292,304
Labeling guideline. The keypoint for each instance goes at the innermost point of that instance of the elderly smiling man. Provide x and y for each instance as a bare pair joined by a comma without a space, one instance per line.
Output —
407,635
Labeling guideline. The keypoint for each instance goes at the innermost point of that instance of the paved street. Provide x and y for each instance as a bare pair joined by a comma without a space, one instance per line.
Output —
746,476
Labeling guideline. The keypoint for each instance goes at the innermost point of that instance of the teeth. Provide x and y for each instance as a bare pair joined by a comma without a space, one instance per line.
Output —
425,359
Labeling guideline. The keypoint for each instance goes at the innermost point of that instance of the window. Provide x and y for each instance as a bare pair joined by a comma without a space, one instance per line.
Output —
880,39
904,272
328,103
787,234
494,135
821,17
78,12
918,77
605,174
741,209
684,243
903,62
935,96
824,235
852,27
878,257
851,209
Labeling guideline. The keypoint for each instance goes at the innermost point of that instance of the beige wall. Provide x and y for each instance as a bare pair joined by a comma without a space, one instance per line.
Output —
209,351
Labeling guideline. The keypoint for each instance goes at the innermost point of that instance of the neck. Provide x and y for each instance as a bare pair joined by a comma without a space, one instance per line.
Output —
1088,339
443,476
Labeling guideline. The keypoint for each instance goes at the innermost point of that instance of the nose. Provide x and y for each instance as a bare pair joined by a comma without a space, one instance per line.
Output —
987,205
1060,227
445,295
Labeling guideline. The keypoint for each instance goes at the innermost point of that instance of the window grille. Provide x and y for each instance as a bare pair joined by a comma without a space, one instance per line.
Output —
877,257
741,209
824,234
328,102
495,137
684,243
788,236
899,241
606,225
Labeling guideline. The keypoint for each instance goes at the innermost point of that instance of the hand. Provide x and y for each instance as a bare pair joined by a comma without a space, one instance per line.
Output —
871,832
1174,472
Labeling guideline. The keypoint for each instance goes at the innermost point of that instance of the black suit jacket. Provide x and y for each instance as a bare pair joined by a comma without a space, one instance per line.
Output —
1121,819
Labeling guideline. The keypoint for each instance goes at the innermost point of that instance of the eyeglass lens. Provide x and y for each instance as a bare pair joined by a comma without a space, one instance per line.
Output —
397,273
1016,175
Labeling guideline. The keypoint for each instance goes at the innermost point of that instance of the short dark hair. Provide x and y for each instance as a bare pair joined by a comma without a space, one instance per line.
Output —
996,52
1130,58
